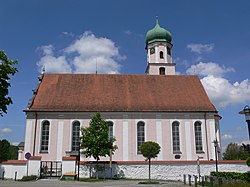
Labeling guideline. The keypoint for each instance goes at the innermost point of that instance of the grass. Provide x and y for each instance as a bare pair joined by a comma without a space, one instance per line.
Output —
149,182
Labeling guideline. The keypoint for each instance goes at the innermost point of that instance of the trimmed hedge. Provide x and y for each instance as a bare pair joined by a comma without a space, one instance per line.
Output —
232,175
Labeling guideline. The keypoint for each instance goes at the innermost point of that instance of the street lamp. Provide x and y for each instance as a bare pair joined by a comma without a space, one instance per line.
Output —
216,159
246,111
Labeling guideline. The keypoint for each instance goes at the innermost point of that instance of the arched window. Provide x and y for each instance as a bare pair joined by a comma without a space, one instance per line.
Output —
162,71
75,136
161,55
169,51
176,137
45,136
198,137
140,135
110,129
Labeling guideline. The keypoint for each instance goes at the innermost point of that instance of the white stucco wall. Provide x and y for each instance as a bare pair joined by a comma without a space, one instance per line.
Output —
10,169
163,171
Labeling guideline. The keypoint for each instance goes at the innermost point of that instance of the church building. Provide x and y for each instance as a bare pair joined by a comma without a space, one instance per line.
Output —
160,106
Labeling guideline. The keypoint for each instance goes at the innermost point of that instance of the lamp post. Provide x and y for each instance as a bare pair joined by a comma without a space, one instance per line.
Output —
215,148
246,111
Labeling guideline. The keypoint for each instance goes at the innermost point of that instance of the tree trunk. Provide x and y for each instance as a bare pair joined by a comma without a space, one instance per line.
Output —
149,167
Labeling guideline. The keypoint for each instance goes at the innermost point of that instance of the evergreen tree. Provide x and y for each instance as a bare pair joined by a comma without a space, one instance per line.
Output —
4,149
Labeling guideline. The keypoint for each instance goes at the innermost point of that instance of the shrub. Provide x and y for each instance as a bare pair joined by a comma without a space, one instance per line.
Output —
232,175
29,178
248,161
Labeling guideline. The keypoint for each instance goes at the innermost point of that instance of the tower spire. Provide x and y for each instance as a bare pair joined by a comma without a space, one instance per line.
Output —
157,21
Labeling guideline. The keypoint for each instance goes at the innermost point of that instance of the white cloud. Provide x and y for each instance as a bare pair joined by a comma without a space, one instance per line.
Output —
210,68
5,130
127,32
227,137
220,90
200,48
15,143
83,56
68,34
223,93
51,63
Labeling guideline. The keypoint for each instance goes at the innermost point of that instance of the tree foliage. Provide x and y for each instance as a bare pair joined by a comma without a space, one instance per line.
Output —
235,151
95,141
6,70
150,150
7,151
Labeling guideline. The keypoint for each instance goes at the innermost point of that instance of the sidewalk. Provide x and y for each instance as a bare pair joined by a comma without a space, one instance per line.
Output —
118,183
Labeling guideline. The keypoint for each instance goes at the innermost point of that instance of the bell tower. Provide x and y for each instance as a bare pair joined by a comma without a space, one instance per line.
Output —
159,51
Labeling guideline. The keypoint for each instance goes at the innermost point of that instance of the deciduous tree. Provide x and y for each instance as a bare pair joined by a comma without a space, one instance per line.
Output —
6,70
150,150
95,141
235,151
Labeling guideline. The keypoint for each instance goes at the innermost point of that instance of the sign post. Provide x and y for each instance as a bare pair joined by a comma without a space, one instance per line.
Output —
27,156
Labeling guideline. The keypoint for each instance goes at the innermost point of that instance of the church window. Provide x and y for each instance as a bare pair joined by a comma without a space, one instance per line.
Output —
162,71
45,136
176,137
110,129
169,51
140,135
161,55
76,136
198,137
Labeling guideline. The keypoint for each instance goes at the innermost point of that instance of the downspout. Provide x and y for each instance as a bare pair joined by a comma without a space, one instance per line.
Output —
34,144
205,118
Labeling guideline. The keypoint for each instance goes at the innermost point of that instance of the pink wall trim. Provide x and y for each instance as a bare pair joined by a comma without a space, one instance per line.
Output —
16,162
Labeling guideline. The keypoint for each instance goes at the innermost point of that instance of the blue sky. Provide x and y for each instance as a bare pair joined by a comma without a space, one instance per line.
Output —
210,38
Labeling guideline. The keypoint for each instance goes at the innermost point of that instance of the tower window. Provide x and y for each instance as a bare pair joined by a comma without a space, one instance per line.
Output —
169,51
140,135
162,71
161,54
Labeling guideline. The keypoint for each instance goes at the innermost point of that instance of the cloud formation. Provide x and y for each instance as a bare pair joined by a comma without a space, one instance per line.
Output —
86,54
5,130
200,48
227,137
210,68
220,90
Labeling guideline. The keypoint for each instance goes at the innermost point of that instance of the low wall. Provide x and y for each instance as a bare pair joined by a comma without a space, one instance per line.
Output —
164,170
10,168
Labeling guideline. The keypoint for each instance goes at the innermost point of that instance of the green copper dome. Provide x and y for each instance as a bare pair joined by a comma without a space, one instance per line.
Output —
158,34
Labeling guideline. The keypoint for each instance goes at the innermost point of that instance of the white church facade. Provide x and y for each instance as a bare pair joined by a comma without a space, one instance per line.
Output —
160,106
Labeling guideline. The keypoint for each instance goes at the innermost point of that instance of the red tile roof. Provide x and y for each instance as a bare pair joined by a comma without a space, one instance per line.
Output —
128,93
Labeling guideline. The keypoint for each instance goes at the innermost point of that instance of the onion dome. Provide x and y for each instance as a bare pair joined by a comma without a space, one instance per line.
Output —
158,34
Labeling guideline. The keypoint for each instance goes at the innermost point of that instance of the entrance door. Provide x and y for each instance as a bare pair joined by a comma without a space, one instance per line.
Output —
50,169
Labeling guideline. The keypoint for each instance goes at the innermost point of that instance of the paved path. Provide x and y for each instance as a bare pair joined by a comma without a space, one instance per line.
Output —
54,183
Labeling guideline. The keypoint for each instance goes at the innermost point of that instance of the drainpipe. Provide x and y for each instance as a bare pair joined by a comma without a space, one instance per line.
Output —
205,118
34,144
